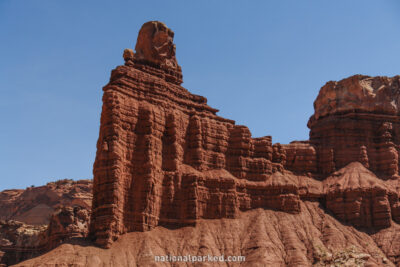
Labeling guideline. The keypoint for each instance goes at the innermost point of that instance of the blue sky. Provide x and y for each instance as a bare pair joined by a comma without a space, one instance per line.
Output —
260,62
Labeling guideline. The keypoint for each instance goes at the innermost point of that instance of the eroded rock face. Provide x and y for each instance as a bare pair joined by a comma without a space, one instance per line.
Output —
155,45
359,94
67,223
35,205
155,52
263,237
51,214
164,157
20,241
357,119
355,133
358,197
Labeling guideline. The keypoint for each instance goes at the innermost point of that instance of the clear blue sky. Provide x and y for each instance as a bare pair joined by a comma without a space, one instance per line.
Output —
260,62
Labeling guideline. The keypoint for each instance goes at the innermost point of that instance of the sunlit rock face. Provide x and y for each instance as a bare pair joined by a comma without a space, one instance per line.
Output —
357,119
164,157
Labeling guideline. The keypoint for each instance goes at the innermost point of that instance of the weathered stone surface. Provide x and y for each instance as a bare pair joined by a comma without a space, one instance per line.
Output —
165,158
301,157
356,196
35,205
359,94
51,222
20,241
67,223
357,119
263,237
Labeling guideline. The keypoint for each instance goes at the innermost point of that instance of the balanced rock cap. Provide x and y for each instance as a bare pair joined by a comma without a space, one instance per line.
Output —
155,44
155,52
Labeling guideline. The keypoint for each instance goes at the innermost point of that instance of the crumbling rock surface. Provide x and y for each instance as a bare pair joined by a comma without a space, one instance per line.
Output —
20,241
356,196
357,119
359,93
35,205
165,158
67,223
166,162
264,237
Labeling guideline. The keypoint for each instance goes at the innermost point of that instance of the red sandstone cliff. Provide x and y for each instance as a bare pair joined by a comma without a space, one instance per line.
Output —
165,158
171,177
35,205
38,219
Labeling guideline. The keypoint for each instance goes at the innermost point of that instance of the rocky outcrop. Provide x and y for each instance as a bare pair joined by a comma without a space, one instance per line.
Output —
263,237
359,94
67,223
20,241
357,119
49,215
301,157
358,197
165,158
35,205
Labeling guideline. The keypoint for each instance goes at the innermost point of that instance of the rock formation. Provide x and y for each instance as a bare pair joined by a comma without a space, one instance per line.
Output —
35,205
165,158
264,237
49,215
19,241
358,117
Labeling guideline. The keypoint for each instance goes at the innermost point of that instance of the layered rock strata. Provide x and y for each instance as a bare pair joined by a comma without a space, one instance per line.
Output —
20,241
356,196
35,205
357,119
264,237
164,157
48,216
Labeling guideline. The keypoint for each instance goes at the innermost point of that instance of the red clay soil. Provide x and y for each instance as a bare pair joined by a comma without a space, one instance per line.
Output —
264,237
